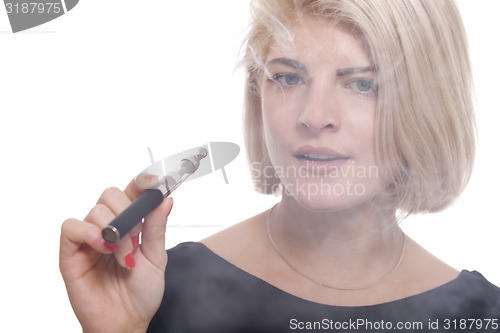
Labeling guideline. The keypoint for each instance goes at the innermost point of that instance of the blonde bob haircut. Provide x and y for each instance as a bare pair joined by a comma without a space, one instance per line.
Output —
425,128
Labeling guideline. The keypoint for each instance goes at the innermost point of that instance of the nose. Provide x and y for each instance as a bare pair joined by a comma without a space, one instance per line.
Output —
320,110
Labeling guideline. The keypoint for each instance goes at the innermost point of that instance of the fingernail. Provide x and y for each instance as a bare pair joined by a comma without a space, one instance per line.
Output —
111,247
130,260
150,177
135,241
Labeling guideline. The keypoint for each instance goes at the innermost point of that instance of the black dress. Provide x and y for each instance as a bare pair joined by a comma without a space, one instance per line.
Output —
205,293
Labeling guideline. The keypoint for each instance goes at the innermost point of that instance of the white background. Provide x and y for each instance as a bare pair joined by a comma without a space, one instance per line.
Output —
83,96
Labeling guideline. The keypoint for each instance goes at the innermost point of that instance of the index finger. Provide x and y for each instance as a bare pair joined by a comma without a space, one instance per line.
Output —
139,184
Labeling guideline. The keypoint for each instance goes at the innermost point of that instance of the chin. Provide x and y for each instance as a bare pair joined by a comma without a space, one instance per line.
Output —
332,197
327,204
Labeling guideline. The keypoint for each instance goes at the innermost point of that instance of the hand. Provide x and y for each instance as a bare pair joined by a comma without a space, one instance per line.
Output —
115,288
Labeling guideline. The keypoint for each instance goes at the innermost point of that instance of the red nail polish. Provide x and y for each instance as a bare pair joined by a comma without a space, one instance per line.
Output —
111,247
135,241
130,260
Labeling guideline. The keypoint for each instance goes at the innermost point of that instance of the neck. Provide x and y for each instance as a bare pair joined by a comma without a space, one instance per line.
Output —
345,247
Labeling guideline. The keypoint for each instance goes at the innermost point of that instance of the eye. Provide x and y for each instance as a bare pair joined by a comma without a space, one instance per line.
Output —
363,86
287,79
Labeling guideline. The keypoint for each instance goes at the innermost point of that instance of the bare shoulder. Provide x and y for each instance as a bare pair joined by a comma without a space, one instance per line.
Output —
241,243
425,269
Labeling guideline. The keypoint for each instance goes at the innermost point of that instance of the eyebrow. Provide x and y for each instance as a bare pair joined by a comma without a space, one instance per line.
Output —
340,72
289,63
354,70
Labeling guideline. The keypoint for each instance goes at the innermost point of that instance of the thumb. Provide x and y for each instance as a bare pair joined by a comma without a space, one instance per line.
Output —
153,234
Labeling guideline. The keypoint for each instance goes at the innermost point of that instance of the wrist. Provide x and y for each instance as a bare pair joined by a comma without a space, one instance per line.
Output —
139,329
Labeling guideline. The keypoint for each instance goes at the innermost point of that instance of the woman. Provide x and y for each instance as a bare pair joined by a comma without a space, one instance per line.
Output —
358,113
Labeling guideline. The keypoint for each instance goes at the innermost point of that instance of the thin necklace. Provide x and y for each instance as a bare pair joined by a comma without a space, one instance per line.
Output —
324,284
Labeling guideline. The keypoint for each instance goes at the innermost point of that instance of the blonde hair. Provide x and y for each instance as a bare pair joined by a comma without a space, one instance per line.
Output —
425,128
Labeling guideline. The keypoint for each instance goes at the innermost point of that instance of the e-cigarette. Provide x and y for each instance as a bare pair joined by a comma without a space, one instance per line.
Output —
151,198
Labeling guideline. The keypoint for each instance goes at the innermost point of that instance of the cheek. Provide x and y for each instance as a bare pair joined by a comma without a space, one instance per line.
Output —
361,125
365,136
273,135
277,119
282,105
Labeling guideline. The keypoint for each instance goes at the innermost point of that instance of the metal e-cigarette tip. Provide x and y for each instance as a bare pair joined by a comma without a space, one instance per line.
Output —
202,152
110,234
195,159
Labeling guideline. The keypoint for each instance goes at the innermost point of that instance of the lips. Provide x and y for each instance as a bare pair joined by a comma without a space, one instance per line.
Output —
320,160
319,154
320,157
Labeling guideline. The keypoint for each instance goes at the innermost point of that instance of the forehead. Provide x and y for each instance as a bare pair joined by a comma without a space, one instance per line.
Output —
311,38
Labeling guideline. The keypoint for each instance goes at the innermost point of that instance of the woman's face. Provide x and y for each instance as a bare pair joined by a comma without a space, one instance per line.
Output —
318,99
